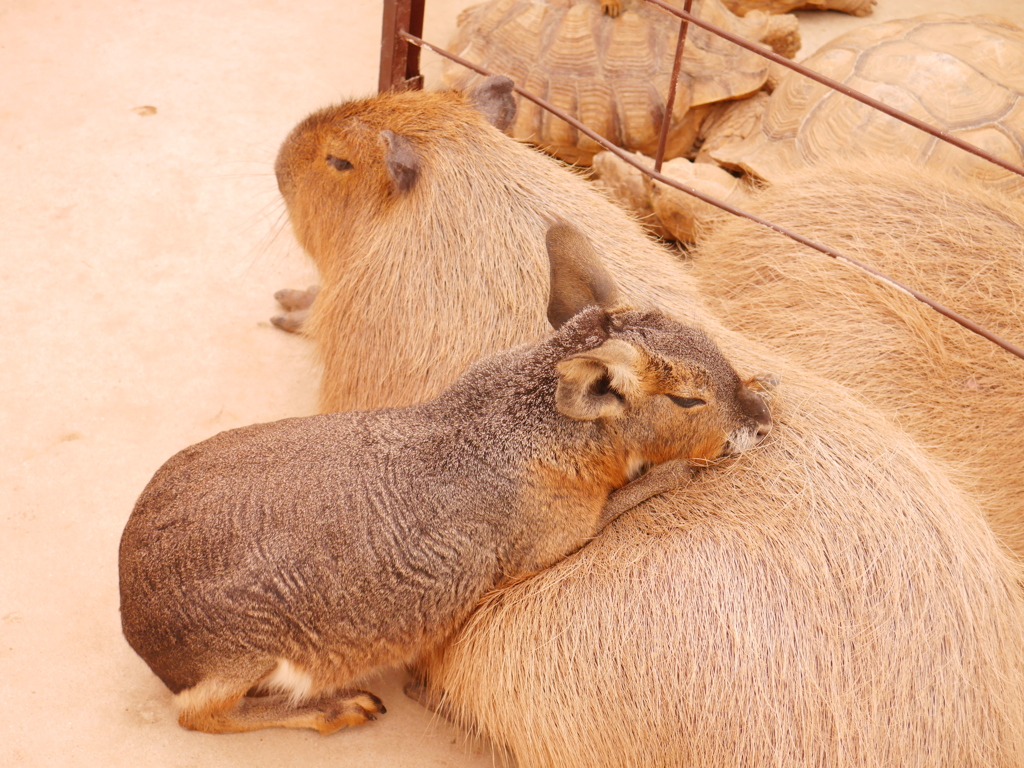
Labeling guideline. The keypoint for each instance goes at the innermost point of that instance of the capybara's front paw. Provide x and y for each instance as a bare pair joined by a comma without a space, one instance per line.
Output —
296,305
291,299
291,322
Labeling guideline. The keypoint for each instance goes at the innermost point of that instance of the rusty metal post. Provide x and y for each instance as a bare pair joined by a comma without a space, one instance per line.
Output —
673,84
400,61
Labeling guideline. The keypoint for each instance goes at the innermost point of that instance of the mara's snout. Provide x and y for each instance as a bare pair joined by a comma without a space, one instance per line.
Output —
757,421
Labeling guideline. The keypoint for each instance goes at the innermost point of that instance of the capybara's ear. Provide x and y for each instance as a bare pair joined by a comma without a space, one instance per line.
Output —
493,97
598,383
578,278
402,160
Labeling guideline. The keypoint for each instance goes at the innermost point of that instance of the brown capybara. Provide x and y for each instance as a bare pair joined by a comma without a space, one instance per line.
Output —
294,558
950,238
830,599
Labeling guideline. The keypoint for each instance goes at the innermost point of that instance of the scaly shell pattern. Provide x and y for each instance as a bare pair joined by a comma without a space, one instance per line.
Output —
612,74
854,7
964,75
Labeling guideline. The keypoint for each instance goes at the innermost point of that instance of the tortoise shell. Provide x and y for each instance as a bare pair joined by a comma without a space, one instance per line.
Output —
853,7
962,74
612,72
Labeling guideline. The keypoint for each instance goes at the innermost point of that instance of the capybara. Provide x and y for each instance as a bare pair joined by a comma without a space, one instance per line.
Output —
956,393
830,599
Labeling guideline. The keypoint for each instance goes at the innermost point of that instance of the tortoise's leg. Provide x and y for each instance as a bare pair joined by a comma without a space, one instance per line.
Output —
611,7
215,706
296,305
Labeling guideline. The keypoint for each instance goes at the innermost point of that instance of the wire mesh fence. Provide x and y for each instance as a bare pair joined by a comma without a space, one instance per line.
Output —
402,41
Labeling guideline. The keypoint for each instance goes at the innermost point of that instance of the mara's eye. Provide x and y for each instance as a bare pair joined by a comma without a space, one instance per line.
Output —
686,402
338,164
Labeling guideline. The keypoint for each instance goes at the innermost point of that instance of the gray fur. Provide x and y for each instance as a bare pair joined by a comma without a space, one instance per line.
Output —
346,542
342,543
402,161
493,97
374,532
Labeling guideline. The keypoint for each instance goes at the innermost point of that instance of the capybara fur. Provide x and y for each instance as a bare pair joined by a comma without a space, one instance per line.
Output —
957,242
296,557
830,599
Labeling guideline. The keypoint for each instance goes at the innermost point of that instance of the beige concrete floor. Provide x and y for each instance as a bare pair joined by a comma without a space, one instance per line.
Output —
141,238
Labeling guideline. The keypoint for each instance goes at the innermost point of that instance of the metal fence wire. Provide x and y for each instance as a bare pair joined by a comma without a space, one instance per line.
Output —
399,70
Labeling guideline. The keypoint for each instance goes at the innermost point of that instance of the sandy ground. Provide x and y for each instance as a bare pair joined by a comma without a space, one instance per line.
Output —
141,239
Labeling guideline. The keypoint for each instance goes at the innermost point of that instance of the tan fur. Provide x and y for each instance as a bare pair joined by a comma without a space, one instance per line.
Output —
952,239
579,373
220,706
352,222
834,600
266,569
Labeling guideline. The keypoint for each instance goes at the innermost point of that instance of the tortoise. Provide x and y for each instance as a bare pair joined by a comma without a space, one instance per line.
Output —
962,74
609,65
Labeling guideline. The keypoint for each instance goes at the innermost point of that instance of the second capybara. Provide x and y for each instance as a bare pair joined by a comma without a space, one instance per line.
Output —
951,238
831,599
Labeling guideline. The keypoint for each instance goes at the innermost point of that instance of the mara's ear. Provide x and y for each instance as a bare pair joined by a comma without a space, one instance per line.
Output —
493,98
597,384
578,278
402,161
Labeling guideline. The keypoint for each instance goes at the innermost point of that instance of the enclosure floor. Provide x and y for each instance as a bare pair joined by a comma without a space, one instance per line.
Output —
141,239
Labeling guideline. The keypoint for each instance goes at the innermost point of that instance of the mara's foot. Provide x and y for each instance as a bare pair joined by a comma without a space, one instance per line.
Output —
325,714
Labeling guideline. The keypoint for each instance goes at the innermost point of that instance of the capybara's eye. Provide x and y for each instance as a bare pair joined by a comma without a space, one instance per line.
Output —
338,163
686,402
